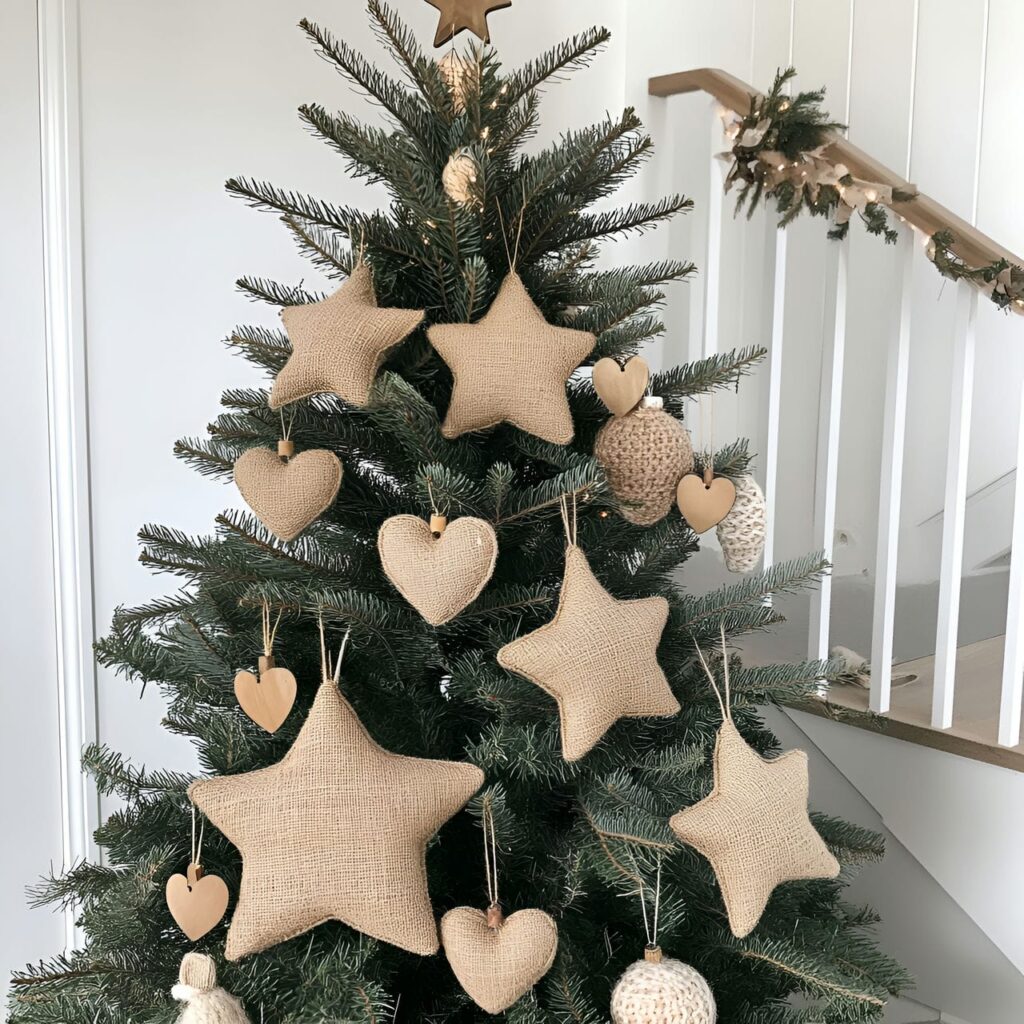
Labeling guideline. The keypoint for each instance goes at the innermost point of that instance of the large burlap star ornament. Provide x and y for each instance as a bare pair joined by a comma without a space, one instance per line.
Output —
511,367
337,830
597,658
754,827
339,343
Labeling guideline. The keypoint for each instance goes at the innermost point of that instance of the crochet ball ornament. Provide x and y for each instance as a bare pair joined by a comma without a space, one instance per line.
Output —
644,455
460,75
659,990
205,1003
742,532
459,176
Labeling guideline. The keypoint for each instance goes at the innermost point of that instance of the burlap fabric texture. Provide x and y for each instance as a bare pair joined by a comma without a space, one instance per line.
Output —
337,830
511,367
339,344
742,532
669,992
597,658
644,455
438,577
754,827
205,1003
287,496
498,966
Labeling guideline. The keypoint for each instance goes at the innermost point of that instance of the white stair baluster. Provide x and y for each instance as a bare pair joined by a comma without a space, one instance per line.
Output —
830,403
954,506
891,489
1013,656
776,257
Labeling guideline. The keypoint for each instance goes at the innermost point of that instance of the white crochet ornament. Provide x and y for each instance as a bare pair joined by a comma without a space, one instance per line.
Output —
459,74
742,532
205,1003
459,176
659,990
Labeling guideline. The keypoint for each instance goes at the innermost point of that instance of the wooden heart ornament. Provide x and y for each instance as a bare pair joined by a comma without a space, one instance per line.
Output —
288,494
268,699
439,576
196,901
498,965
621,387
705,501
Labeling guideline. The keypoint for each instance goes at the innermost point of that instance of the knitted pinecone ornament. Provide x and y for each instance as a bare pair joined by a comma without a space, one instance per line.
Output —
658,990
644,455
742,532
205,1003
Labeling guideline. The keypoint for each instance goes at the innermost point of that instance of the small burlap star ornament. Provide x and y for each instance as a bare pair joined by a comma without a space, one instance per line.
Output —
644,455
339,343
497,959
597,657
439,572
754,826
337,830
205,1003
742,532
511,367
286,491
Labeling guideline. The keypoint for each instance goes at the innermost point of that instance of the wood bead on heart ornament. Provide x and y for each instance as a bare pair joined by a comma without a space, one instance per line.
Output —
288,491
268,698
438,567
497,959
705,500
197,901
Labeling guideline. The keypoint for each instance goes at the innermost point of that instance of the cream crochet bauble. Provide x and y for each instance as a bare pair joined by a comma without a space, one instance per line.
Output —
742,532
644,455
459,177
662,992
204,1002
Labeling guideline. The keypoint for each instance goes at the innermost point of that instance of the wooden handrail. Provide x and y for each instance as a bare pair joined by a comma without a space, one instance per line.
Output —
972,246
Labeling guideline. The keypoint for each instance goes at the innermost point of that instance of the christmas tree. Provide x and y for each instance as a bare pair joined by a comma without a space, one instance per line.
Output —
437,375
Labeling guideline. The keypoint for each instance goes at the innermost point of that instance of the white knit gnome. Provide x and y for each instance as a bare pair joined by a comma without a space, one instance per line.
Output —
205,1003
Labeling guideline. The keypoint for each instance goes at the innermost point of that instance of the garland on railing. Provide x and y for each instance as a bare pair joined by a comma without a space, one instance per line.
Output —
778,154
1001,280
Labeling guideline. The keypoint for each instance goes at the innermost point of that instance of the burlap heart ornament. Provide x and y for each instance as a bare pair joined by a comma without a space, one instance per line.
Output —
288,494
438,576
497,966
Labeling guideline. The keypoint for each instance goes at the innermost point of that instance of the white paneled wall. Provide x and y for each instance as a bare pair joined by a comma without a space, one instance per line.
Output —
174,100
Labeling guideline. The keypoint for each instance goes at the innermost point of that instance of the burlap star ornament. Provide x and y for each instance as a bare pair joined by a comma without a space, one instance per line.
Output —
337,830
511,367
339,343
754,826
597,657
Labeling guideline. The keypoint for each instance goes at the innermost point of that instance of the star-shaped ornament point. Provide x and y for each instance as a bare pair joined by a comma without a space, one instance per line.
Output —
456,15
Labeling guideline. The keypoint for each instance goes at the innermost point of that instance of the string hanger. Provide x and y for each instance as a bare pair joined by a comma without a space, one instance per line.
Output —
706,413
652,951
512,255
329,674
197,847
286,446
494,915
438,519
568,522
269,632
724,701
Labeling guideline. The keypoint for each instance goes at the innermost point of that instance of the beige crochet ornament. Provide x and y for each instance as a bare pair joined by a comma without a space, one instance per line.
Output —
459,177
205,1003
659,990
644,454
597,657
498,959
287,492
339,344
742,532
754,826
511,367
460,75
337,830
438,571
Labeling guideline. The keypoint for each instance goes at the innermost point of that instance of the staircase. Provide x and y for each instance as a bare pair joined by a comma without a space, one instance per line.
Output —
901,466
